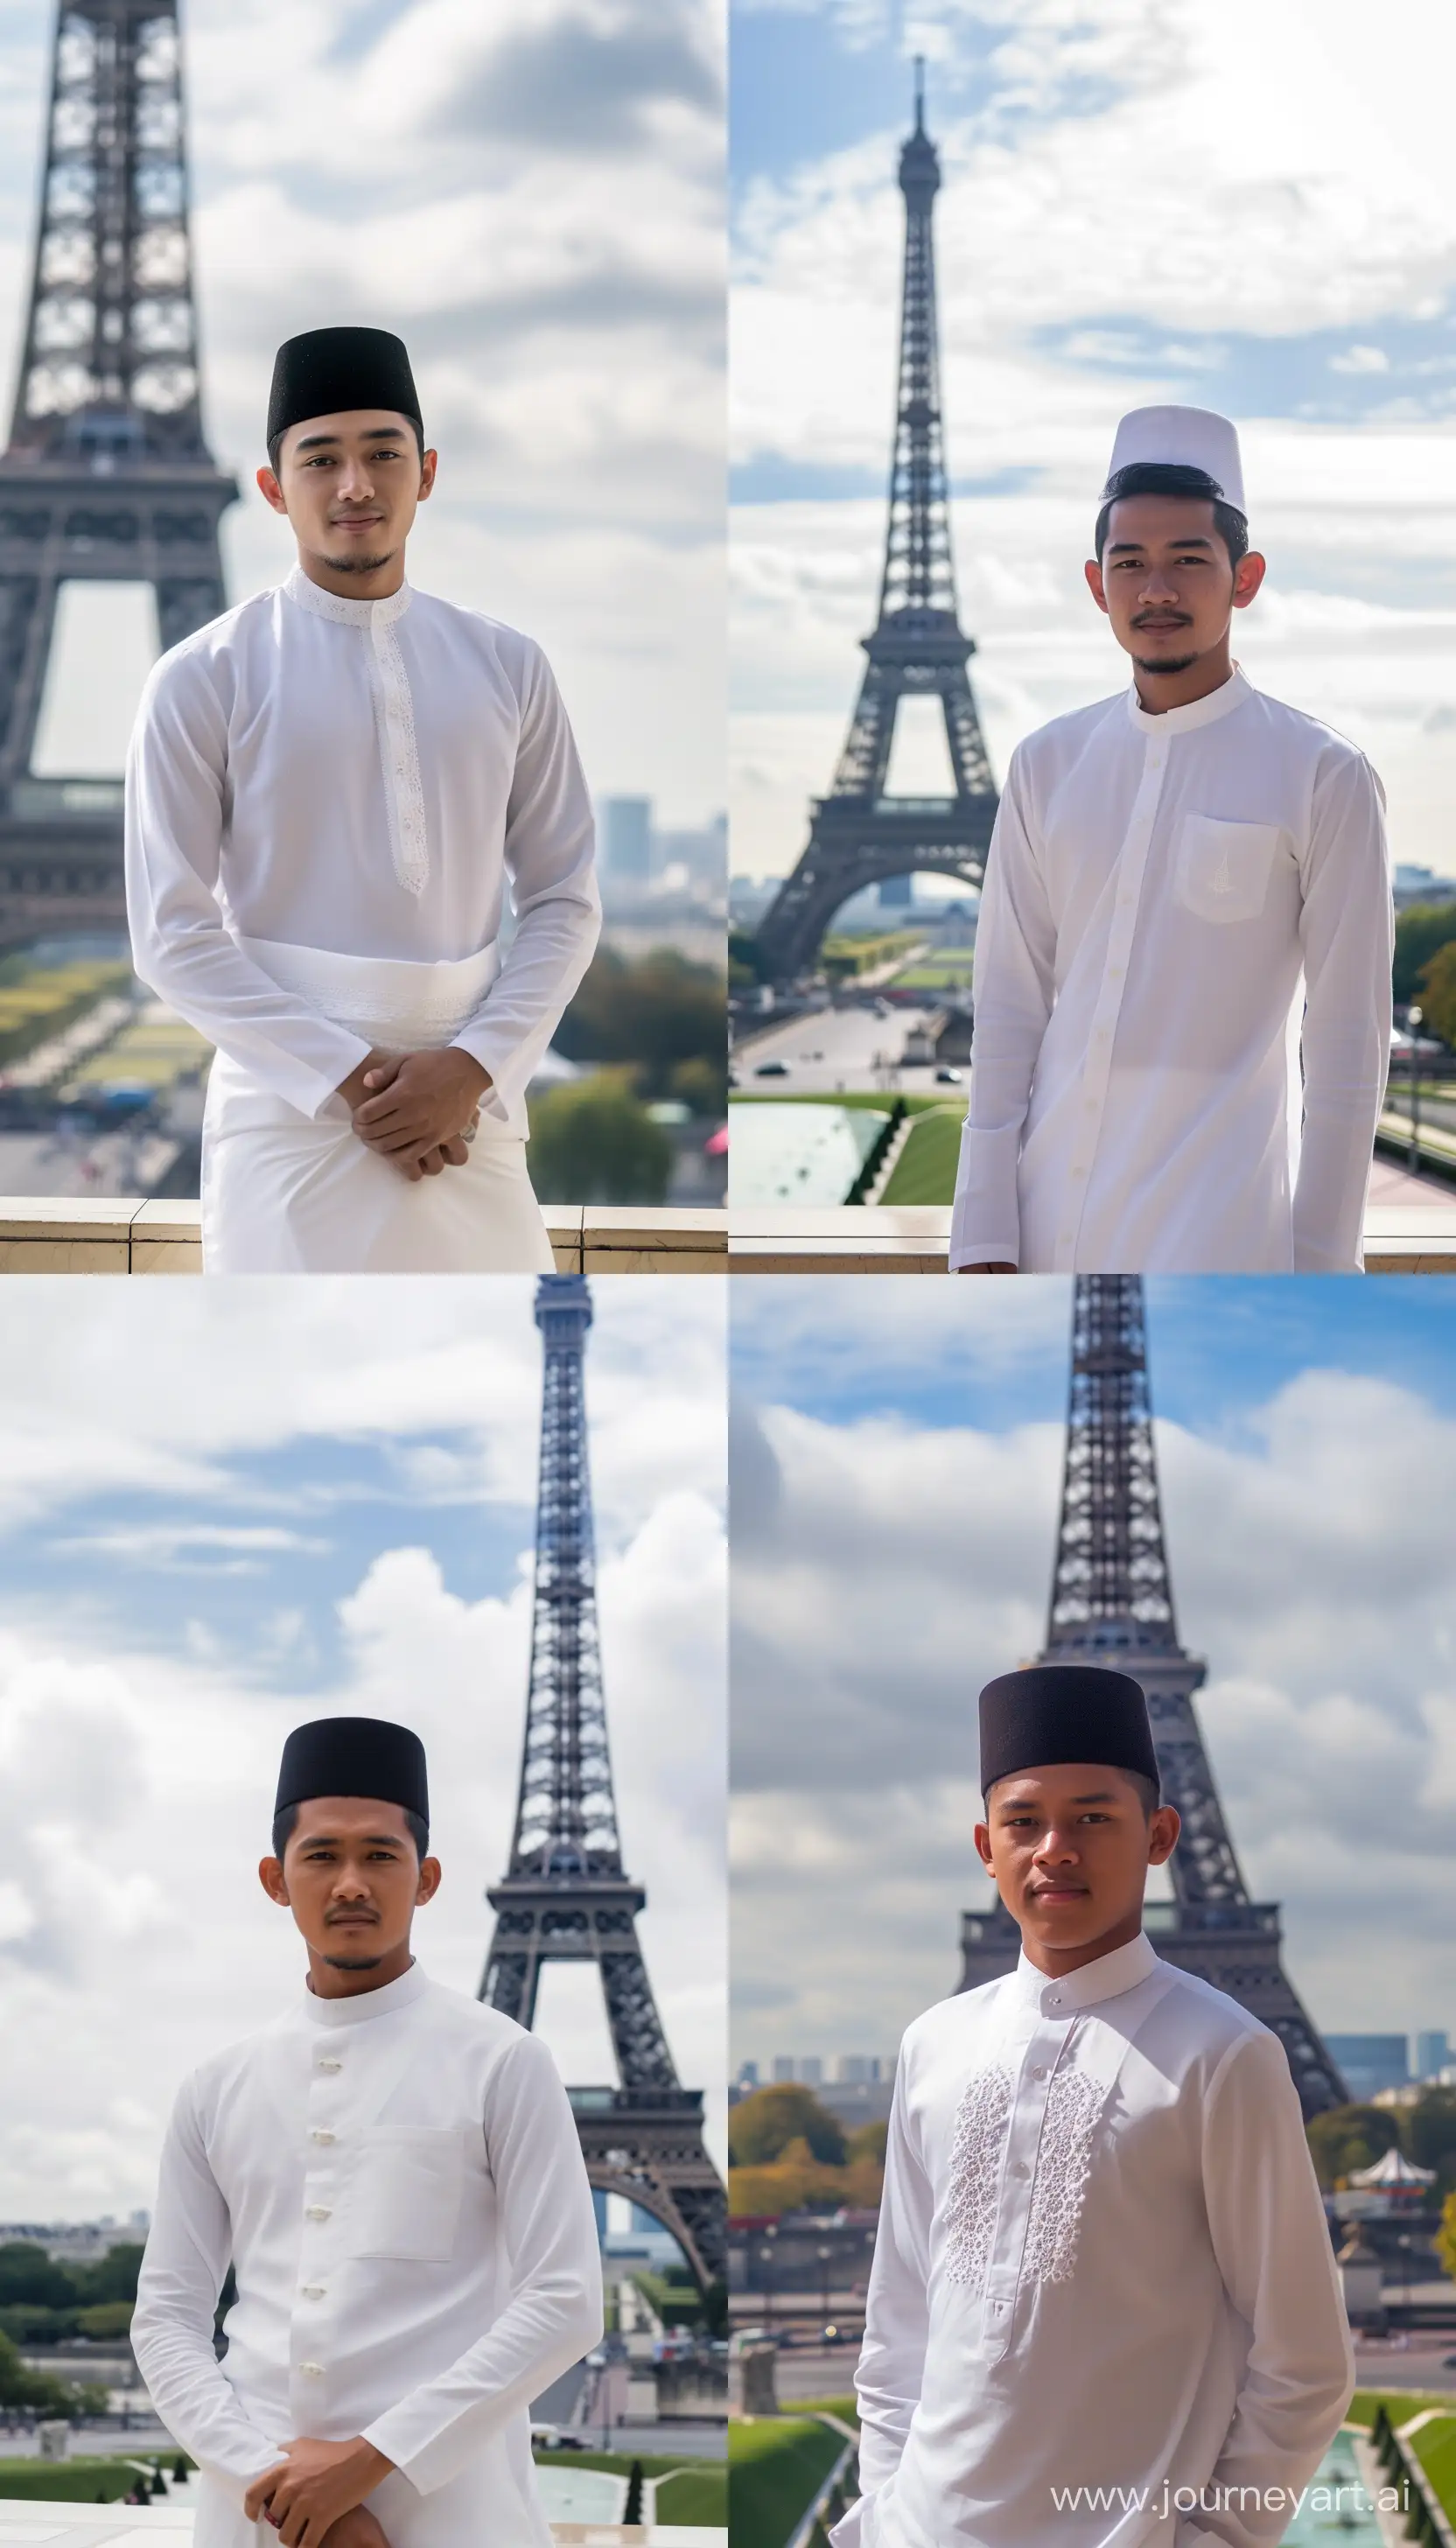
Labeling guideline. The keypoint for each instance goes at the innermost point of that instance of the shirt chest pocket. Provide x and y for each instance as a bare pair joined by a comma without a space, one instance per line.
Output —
1221,870
405,2195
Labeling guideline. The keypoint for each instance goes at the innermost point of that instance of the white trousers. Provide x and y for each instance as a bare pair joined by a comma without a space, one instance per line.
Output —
286,1193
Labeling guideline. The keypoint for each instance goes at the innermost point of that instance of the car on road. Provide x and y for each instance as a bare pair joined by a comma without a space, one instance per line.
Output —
771,1070
948,1079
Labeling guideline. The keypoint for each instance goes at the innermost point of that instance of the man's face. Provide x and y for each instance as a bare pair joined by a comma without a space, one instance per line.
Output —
351,1879
1166,582
351,486
1069,1847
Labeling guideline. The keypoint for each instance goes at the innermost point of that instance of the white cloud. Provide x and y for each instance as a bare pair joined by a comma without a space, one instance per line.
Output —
897,1567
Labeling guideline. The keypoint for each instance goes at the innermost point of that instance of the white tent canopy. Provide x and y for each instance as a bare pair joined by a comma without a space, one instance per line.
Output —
1393,2170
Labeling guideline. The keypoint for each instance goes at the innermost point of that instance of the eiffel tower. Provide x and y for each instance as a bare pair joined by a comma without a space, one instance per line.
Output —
564,1896
1112,1602
107,476
857,833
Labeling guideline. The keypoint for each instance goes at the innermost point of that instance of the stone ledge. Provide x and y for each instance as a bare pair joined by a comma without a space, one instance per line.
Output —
121,1234
72,1234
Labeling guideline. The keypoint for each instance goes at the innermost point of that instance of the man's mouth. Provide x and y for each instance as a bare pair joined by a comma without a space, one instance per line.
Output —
353,1920
1058,1892
1162,624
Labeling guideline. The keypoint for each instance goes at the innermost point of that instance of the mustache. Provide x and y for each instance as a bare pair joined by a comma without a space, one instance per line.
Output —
1177,618
359,1912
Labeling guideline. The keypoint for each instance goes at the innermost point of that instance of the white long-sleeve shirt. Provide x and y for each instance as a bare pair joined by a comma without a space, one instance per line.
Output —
398,2181
363,777
1102,2263
1173,907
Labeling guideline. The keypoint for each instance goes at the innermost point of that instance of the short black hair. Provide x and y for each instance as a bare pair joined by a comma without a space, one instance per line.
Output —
287,1823
1174,478
1147,1789
275,444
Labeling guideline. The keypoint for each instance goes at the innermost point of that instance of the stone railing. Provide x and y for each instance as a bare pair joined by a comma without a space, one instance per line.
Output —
69,1235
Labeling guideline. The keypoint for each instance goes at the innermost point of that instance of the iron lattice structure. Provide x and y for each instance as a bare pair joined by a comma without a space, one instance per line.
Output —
858,835
1112,1603
107,476
566,1897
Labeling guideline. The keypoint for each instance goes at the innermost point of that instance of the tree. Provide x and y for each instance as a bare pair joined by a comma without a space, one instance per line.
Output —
1430,2136
651,1013
27,2273
1438,993
1446,2236
1347,2138
762,2127
1419,930
593,1141
113,2277
21,2386
870,2142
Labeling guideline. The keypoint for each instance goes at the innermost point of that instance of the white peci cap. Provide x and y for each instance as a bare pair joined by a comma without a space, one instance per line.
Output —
1182,437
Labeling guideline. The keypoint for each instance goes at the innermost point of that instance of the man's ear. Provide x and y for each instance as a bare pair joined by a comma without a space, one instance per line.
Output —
273,1881
431,1872
1093,572
270,490
1249,575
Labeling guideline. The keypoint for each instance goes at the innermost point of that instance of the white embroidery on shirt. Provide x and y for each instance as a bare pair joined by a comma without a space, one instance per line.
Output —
399,748
976,2161
1064,2163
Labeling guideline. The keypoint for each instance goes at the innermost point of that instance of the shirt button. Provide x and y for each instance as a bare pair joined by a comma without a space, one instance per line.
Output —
324,2064
1019,2170
312,2290
1038,2070
319,2212
311,2370
320,2135
1079,1172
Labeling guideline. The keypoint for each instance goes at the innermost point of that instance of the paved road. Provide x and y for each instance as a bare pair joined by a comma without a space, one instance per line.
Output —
840,1050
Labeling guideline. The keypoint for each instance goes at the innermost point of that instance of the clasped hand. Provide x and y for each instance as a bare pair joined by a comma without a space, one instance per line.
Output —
417,1110
317,2485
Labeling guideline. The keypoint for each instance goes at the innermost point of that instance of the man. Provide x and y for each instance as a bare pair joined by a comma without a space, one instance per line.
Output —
1187,894
328,791
1104,2308
393,2173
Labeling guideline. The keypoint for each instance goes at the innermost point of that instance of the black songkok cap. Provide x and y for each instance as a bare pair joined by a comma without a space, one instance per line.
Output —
353,1756
333,369
1057,1712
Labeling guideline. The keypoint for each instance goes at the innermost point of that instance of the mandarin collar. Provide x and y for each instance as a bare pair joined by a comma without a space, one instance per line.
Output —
1218,703
311,596
1106,1978
364,2006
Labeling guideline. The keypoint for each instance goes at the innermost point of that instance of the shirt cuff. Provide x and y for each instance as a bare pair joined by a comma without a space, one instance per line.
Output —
494,1053
986,1221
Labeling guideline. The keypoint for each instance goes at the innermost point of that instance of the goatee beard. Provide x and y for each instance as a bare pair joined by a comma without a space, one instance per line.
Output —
353,1964
1164,663
358,564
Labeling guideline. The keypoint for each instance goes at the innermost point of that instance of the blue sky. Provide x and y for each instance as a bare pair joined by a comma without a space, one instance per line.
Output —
1219,1346
896,1471
224,1509
1143,201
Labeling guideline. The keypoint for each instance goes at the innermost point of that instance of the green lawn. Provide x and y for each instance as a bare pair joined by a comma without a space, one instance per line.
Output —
925,1171
697,2498
1435,2448
69,2481
776,2468
1399,2405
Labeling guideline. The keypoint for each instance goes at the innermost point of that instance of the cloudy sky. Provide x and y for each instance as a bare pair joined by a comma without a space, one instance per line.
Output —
223,1509
1251,207
894,1493
533,195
